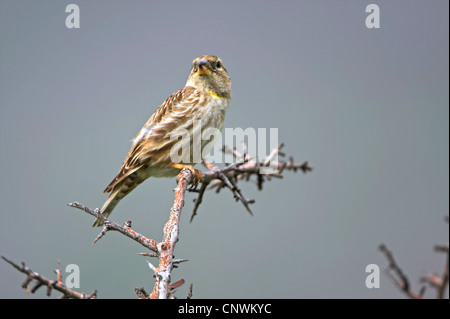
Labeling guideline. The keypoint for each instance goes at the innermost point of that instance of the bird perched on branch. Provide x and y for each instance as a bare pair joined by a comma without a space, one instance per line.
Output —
200,105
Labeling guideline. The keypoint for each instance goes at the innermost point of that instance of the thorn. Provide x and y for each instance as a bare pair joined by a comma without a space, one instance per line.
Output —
189,296
151,266
148,254
177,284
102,233
127,224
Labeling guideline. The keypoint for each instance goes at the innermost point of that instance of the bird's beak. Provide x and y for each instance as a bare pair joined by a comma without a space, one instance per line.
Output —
204,67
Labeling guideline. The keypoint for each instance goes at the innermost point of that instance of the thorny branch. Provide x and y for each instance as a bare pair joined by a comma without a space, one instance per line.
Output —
110,225
398,277
167,246
163,250
396,274
50,284
214,177
243,169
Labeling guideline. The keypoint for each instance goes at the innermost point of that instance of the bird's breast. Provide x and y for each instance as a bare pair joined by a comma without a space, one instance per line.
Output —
212,111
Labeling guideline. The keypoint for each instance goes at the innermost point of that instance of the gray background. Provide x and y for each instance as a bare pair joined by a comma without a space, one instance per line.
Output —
367,108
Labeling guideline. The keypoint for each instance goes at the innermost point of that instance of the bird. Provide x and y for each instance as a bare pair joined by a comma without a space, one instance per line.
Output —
155,150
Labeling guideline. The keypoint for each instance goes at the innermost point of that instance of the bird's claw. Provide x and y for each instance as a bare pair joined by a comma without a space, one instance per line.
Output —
197,176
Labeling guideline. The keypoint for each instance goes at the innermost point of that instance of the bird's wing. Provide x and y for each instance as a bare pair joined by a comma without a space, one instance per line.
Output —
176,106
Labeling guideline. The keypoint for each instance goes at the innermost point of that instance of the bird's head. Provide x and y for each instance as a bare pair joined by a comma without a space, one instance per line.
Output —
208,73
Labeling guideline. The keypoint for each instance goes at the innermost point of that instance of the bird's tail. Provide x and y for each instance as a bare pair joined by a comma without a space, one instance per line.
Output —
118,192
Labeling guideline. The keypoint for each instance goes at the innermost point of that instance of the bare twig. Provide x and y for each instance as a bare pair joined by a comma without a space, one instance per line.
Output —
445,276
244,168
440,283
50,284
398,277
141,293
444,280
110,225
199,199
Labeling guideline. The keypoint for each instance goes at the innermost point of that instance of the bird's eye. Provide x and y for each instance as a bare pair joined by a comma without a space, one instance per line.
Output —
218,64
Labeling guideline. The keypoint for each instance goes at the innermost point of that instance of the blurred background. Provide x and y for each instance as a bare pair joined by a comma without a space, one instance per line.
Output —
367,108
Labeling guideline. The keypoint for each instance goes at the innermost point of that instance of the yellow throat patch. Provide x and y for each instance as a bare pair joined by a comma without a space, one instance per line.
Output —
212,93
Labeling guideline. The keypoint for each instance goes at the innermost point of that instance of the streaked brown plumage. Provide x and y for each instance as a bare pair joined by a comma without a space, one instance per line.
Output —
204,99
